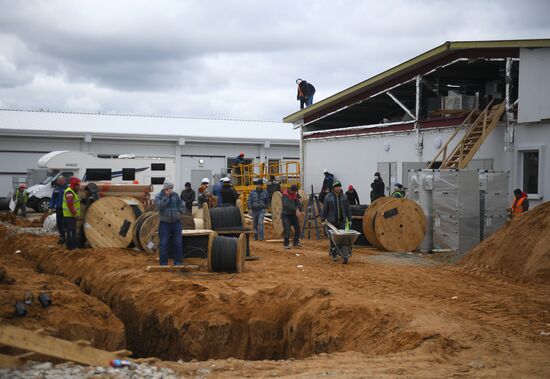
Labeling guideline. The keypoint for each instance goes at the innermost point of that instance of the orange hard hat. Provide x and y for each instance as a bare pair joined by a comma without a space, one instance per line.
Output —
241,154
74,181
135,182
22,185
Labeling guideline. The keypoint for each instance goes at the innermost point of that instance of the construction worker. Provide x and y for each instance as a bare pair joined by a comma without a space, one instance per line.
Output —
228,195
520,204
170,209
71,212
204,195
336,210
217,191
305,93
326,187
292,209
258,201
56,206
237,168
21,197
353,197
378,187
273,186
188,196
398,191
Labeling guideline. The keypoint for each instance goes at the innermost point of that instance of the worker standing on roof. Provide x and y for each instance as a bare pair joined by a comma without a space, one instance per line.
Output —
520,204
398,191
305,93
378,187
204,195
71,211
56,205
170,209
188,196
258,201
21,197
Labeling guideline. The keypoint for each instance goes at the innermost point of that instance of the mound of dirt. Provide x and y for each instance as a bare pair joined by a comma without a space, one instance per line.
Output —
21,221
520,249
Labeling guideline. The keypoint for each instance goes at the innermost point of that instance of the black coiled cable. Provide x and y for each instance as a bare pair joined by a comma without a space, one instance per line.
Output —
226,218
224,254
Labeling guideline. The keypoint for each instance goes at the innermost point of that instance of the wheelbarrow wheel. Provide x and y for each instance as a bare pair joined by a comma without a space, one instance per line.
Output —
345,260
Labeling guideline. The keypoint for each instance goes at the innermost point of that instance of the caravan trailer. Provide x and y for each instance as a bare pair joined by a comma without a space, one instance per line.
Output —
125,168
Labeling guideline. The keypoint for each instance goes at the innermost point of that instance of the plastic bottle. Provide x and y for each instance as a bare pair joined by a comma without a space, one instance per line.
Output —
118,363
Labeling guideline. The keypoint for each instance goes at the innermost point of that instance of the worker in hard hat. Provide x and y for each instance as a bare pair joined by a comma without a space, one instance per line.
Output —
398,191
21,197
203,192
228,194
326,187
71,212
520,204
217,191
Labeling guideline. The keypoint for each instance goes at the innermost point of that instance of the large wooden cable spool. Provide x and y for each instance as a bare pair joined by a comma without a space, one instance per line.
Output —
276,213
207,223
110,221
239,205
137,227
199,223
368,219
148,233
400,225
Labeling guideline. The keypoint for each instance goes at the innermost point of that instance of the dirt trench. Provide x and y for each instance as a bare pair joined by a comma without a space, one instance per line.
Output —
204,316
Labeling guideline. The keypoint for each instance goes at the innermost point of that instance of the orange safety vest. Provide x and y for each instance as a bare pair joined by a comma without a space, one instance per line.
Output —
517,205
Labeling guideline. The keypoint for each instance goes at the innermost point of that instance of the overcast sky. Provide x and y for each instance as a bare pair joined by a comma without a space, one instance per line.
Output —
226,59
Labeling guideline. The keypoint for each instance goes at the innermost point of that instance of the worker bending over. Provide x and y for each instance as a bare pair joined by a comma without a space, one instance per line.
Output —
520,204
170,209
353,196
258,201
71,212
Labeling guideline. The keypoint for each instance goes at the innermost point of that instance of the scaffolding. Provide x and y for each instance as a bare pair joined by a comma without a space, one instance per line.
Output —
243,176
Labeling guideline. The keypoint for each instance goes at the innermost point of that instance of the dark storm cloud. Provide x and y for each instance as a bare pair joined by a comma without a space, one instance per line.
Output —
225,58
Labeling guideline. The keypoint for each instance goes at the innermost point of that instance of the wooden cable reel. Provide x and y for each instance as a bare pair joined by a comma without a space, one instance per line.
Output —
395,224
110,221
148,233
137,227
276,213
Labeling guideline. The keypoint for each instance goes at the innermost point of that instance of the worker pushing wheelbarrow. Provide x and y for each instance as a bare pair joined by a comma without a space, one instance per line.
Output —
336,216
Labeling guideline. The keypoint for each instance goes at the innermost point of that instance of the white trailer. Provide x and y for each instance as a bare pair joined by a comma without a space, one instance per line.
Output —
89,167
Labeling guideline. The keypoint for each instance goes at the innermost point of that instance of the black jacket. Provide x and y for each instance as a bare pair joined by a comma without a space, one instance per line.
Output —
290,206
229,195
336,210
307,90
327,181
378,188
188,195
353,197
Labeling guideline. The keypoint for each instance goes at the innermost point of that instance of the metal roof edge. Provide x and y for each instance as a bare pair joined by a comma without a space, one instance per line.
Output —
447,46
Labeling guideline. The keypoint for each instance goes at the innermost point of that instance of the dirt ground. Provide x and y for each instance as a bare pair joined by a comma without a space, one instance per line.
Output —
295,313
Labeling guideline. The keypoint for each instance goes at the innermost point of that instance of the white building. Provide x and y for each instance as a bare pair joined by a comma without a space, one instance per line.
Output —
398,119
200,147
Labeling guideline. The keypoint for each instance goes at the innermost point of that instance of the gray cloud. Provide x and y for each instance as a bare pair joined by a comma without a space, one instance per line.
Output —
225,58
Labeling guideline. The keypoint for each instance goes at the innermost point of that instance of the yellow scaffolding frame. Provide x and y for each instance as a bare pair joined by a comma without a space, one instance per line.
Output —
243,176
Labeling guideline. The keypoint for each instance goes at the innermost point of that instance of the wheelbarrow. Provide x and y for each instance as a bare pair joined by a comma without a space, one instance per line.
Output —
342,241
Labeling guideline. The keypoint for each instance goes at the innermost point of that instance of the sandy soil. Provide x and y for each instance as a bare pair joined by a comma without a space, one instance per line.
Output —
297,314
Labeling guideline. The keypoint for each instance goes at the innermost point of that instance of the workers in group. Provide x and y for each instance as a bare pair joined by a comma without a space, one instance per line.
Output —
188,196
258,202
353,197
398,191
21,197
378,187
71,212
228,195
520,204
292,209
204,195
170,208
326,187
336,210
56,206
305,93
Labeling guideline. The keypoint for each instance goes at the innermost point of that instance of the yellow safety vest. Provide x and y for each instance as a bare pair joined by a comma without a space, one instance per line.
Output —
76,203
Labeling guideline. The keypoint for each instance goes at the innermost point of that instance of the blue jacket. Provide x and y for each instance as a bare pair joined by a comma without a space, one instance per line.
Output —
57,197
258,200
336,209
217,191
170,208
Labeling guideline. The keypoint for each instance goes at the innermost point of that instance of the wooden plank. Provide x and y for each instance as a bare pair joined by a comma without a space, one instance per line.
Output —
7,361
27,356
83,343
235,231
187,268
275,240
123,353
53,347
194,233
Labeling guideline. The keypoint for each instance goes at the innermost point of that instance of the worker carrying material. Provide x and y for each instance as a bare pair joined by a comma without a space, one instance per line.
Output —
398,191
170,209
71,212
305,93
21,197
336,210
520,204
258,201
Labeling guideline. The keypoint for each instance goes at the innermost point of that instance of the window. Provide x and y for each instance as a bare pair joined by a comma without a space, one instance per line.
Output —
157,180
94,174
531,172
128,174
158,167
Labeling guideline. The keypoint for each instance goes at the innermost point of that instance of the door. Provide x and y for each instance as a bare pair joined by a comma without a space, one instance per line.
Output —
388,173
198,175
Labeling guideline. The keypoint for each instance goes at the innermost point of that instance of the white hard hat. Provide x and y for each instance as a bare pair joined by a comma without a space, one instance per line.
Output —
325,171
226,180
205,180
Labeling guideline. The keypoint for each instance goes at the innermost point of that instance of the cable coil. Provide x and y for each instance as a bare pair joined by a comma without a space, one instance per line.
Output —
226,218
224,254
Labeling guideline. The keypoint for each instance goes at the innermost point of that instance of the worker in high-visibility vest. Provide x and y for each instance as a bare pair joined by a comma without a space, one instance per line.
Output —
520,204
71,212
21,197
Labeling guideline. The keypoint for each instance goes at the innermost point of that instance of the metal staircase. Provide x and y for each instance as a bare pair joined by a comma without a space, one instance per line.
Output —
472,140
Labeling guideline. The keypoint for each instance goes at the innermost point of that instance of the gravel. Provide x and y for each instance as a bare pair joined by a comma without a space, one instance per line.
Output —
46,370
